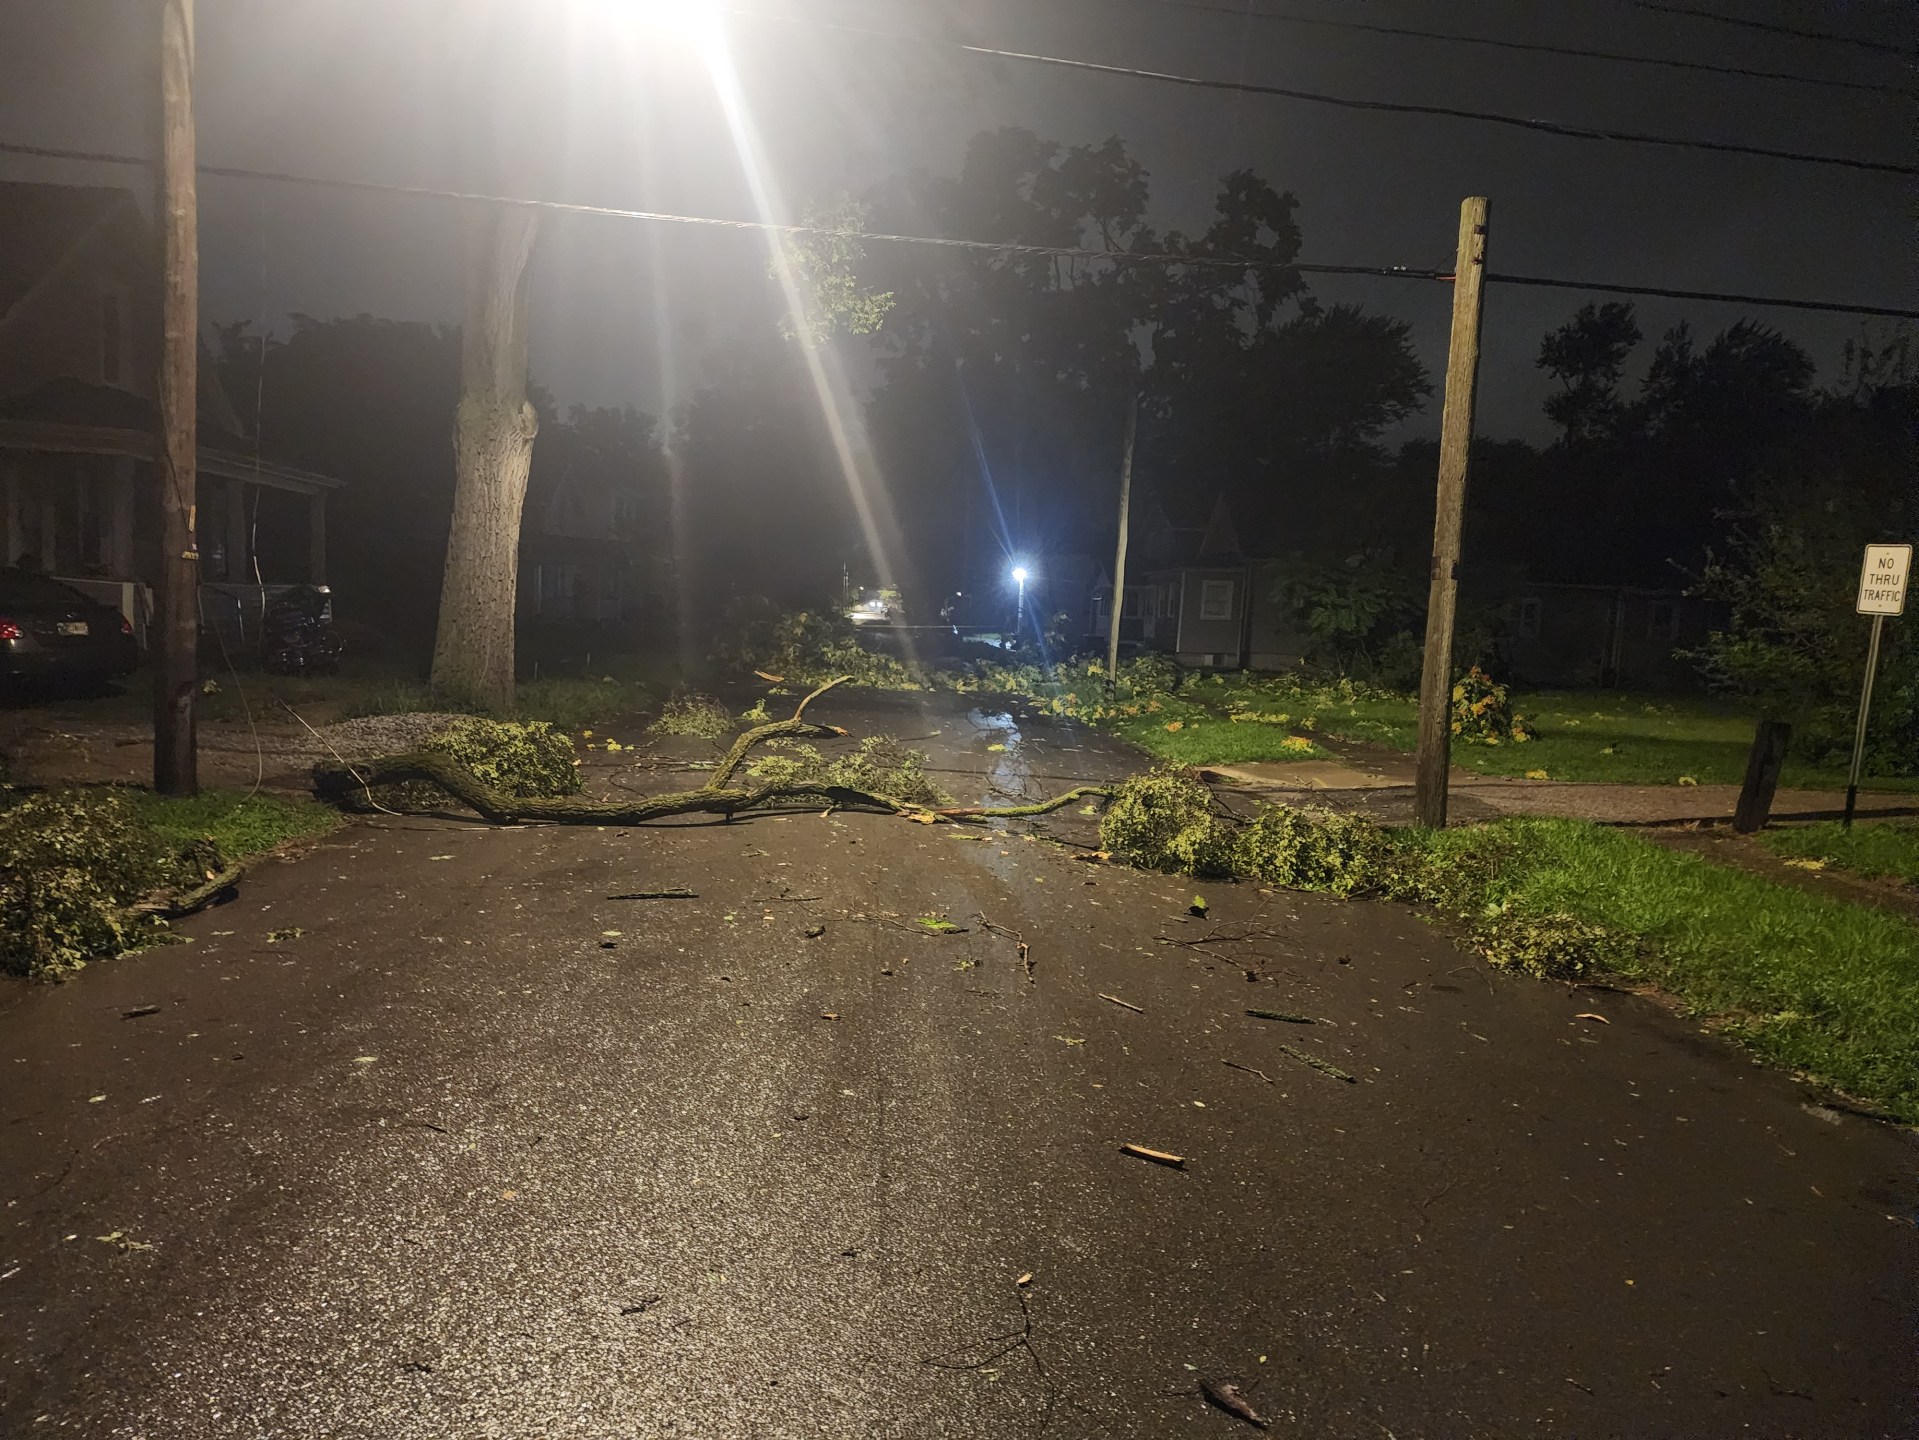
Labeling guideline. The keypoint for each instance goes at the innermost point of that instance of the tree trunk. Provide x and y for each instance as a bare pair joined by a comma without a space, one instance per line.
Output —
493,449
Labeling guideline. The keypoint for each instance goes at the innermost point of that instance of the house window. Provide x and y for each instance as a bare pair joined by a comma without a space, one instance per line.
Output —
558,585
1132,606
1168,595
1662,621
1529,617
1216,600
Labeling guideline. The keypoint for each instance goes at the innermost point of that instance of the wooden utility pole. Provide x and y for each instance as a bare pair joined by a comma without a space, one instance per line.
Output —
1119,553
176,635
1455,450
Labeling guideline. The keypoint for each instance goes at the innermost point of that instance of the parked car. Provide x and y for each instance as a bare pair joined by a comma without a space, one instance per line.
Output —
51,632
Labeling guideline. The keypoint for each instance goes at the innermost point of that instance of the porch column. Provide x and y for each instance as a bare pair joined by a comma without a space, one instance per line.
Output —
120,520
12,542
238,567
316,538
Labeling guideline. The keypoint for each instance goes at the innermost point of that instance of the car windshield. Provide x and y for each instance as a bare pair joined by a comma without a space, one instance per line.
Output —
24,588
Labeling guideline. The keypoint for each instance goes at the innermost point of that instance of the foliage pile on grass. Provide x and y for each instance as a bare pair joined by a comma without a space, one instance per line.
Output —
73,862
688,712
1818,985
1482,712
515,757
1881,849
881,766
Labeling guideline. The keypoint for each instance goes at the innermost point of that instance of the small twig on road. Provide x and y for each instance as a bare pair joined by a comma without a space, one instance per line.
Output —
1282,1015
783,895
1123,1004
1218,938
1019,941
1019,1339
677,893
1320,1065
1158,1157
1235,1065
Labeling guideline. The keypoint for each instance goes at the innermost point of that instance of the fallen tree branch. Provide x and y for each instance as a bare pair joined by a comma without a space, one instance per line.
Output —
721,795
179,904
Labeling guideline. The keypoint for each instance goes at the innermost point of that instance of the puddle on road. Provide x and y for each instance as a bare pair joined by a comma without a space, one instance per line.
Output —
1009,773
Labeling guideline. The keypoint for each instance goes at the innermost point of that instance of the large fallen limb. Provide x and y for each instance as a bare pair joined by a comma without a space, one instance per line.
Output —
351,785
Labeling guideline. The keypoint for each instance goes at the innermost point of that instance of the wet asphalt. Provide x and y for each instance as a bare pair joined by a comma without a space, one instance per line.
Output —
429,1137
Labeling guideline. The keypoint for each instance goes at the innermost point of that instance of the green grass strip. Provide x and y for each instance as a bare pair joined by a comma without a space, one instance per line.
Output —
1889,849
1821,985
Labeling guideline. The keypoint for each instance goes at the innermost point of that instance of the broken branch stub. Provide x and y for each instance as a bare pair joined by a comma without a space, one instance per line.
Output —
342,784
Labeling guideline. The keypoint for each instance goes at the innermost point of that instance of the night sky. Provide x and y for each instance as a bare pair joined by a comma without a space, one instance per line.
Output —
637,313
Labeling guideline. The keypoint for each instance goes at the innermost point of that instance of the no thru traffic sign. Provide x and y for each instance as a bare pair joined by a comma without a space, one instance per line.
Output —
1882,580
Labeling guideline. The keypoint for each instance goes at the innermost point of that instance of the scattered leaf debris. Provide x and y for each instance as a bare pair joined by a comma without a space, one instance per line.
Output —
1290,1019
291,932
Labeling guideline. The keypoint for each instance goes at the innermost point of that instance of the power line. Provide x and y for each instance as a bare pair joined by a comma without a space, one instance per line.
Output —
1694,13
1003,247
1529,47
1486,117
1609,288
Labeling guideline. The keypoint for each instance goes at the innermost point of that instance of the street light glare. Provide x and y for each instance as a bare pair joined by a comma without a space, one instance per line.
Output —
1019,574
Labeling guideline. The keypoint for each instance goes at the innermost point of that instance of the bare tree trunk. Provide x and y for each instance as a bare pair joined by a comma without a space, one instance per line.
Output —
493,448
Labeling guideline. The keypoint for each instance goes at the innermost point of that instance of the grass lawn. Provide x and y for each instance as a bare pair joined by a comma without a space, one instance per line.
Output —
240,825
1582,735
1885,848
1819,985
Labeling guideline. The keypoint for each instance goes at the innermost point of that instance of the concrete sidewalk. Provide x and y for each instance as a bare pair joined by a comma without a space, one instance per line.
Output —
1380,782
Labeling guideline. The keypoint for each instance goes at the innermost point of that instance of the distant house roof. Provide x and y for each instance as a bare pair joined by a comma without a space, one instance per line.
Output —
66,401
71,417
43,223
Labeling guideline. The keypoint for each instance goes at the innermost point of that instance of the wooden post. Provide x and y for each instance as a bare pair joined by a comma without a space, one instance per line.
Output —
1119,553
1865,717
316,538
177,625
1763,763
1455,450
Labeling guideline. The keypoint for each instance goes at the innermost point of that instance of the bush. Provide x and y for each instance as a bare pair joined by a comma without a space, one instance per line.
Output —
71,861
1164,820
687,712
1313,848
1482,713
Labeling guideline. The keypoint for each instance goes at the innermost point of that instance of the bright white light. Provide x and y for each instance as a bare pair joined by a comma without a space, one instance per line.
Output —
696,20
1019,574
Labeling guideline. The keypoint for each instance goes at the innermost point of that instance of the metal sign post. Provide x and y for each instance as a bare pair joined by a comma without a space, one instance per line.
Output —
1882,592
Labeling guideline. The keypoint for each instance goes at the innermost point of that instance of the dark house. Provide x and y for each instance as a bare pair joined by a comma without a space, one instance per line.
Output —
1197,593
1605,636
79,364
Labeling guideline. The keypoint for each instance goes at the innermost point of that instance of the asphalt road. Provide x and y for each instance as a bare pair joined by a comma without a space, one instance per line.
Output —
472,1150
